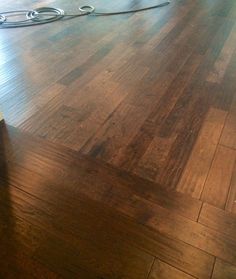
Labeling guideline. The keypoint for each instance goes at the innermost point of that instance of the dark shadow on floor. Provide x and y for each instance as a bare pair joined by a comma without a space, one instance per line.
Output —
8,241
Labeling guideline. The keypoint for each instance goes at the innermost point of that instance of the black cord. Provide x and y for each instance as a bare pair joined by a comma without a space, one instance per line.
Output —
37,16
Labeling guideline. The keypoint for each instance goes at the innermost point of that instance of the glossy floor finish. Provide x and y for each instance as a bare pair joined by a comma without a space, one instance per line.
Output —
118,156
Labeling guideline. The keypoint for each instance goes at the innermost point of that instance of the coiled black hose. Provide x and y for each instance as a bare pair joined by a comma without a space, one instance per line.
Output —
45,15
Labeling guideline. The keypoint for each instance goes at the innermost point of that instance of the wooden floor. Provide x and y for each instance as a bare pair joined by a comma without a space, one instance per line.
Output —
118,151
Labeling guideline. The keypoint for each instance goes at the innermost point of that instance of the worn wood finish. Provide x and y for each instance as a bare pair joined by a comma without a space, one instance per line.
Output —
123,161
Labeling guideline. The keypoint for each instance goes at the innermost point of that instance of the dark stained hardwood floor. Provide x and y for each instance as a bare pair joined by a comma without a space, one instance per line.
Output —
118,149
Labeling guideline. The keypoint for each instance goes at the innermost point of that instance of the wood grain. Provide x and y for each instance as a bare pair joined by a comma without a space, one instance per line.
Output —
220,66
218,182
223,270
64,185
86,84
136,207
231,201
22,149
195,174
161,270
120,158
229,133
218,219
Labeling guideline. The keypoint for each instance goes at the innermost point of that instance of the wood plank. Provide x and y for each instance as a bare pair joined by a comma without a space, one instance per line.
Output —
195,174
220,66
134,91
85,111
231,201
189,124
92,60
228,137
187,116
57,197
110,143
60,246
134,206
161,270
218,219
223,270
147,152
46,158
170,50
188,113
96,223
153,160
217,184
16,264
46,74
